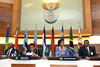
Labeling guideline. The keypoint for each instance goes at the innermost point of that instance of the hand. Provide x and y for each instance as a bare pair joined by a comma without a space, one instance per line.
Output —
24,53
35,54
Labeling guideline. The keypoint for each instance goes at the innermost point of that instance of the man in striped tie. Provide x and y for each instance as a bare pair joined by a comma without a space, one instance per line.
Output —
11,51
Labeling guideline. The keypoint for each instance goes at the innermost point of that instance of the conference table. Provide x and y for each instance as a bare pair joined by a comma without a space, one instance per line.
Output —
49,63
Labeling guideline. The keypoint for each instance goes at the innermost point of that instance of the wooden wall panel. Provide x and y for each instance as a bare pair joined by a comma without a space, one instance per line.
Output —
63,65
1,49
96,16
5,17
23,65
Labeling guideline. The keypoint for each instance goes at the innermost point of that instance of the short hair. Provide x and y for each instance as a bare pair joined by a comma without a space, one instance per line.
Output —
31,44
12,45
59,41
86,40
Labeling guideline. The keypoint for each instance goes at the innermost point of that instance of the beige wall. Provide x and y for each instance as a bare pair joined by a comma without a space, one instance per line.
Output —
70,14
7,1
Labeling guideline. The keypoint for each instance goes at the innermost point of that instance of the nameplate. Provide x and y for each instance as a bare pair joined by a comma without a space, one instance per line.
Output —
22,58
68,58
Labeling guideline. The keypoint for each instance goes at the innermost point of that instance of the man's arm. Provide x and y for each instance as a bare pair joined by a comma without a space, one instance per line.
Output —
80,52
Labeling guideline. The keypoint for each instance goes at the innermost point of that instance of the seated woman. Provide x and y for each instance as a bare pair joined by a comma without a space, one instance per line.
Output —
31,51
61,50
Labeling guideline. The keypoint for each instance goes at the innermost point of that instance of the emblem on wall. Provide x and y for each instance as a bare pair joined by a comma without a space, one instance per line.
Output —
50,10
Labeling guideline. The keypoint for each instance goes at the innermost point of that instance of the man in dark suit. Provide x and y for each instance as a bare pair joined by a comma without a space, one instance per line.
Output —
11,51
87,50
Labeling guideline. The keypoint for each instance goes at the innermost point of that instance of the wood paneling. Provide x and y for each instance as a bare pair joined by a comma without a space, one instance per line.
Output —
63,65
16,15
96,16
1,48
23,65
5,17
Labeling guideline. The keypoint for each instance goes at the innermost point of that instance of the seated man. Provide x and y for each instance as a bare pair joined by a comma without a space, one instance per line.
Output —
11,51
87,50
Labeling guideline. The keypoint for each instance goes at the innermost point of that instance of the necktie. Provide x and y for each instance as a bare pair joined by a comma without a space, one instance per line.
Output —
8,53
88,51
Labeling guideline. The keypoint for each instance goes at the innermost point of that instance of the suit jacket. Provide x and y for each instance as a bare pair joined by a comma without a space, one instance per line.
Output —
12,52
83,52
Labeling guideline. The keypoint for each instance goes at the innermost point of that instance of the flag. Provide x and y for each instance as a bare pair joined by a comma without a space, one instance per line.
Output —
44,42
25,44
16,39
35,37
62,33
71,46
52,50
7,39
79,39
46,51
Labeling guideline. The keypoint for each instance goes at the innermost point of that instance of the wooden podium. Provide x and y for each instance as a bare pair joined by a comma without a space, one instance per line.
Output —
23,65
96,65
93,58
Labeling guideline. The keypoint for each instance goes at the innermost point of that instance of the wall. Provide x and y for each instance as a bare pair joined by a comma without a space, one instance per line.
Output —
6,1
5,17
96,16
70,13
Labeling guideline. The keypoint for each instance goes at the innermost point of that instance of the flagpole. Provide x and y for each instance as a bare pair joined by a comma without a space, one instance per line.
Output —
43,42
62,24
36,43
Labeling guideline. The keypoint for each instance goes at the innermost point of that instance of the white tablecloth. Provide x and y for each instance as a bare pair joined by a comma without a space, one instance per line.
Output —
47,63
